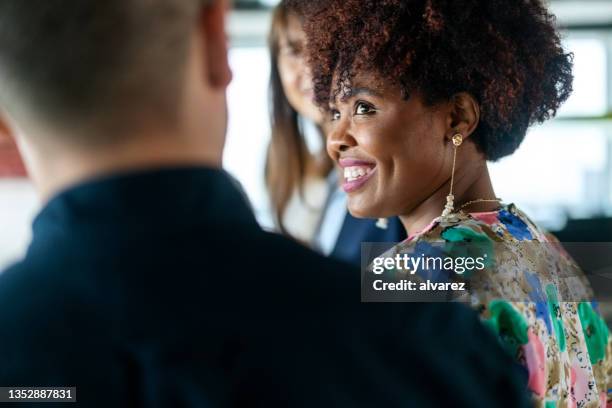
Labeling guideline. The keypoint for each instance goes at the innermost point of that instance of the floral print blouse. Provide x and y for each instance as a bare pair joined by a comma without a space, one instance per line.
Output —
563,345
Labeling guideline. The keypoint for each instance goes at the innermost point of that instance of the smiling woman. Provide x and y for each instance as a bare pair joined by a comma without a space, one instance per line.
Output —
375,125
419,96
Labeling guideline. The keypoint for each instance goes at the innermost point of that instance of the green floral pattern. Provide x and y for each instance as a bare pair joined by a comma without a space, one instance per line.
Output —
543,318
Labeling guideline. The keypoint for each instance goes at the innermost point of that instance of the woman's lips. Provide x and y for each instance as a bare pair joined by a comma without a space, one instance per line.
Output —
356,173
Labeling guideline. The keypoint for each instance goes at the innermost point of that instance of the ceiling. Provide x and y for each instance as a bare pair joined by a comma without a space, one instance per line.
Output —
583,12
249,22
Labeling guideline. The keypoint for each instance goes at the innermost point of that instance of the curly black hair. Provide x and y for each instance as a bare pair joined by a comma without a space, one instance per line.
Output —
506,53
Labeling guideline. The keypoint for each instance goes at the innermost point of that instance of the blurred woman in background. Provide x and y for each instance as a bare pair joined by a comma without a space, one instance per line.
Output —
302,183
297,165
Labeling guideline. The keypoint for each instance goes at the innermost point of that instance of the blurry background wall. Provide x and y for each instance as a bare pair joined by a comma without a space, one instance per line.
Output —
561,175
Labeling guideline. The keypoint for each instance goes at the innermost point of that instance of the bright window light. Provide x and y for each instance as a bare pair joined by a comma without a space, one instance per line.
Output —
249,127
590,78
558,171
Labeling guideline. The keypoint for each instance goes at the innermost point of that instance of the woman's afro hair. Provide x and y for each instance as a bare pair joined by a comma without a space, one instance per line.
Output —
505,53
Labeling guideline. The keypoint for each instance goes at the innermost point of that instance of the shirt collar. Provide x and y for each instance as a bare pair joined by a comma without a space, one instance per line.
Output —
170,197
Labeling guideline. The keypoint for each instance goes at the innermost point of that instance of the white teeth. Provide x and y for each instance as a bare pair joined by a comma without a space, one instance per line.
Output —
355,172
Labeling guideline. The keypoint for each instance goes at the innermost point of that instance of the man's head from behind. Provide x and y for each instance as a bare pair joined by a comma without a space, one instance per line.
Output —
82,77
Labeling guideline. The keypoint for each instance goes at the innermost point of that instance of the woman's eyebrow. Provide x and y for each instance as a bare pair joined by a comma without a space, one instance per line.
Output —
363,91
294,42
356,91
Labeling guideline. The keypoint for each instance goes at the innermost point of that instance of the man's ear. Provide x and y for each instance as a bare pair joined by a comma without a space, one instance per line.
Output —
9,136
464,114
6,132
213,27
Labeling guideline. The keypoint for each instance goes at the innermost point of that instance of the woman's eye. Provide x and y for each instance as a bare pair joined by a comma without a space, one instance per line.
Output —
335,115
290,51
295,48
363,109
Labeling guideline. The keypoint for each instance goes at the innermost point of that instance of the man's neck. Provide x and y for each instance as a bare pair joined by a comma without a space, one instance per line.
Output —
68,168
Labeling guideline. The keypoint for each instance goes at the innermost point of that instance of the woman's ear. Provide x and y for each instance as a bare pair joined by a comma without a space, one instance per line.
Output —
215,43
464,114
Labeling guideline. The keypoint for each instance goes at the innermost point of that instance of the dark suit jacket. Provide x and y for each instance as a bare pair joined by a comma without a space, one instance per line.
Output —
158,289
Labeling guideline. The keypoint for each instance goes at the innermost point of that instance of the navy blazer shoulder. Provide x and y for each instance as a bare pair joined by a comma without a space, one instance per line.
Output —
356,231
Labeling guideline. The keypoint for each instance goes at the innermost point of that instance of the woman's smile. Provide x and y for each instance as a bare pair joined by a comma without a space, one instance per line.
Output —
356,173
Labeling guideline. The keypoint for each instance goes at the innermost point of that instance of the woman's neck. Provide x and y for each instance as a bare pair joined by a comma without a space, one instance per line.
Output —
473,184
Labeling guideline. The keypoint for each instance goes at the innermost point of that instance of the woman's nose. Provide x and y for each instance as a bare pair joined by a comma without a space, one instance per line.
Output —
339,140
306,76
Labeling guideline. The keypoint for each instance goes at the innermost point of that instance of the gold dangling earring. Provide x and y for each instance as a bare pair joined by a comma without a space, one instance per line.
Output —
382,223
449,207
